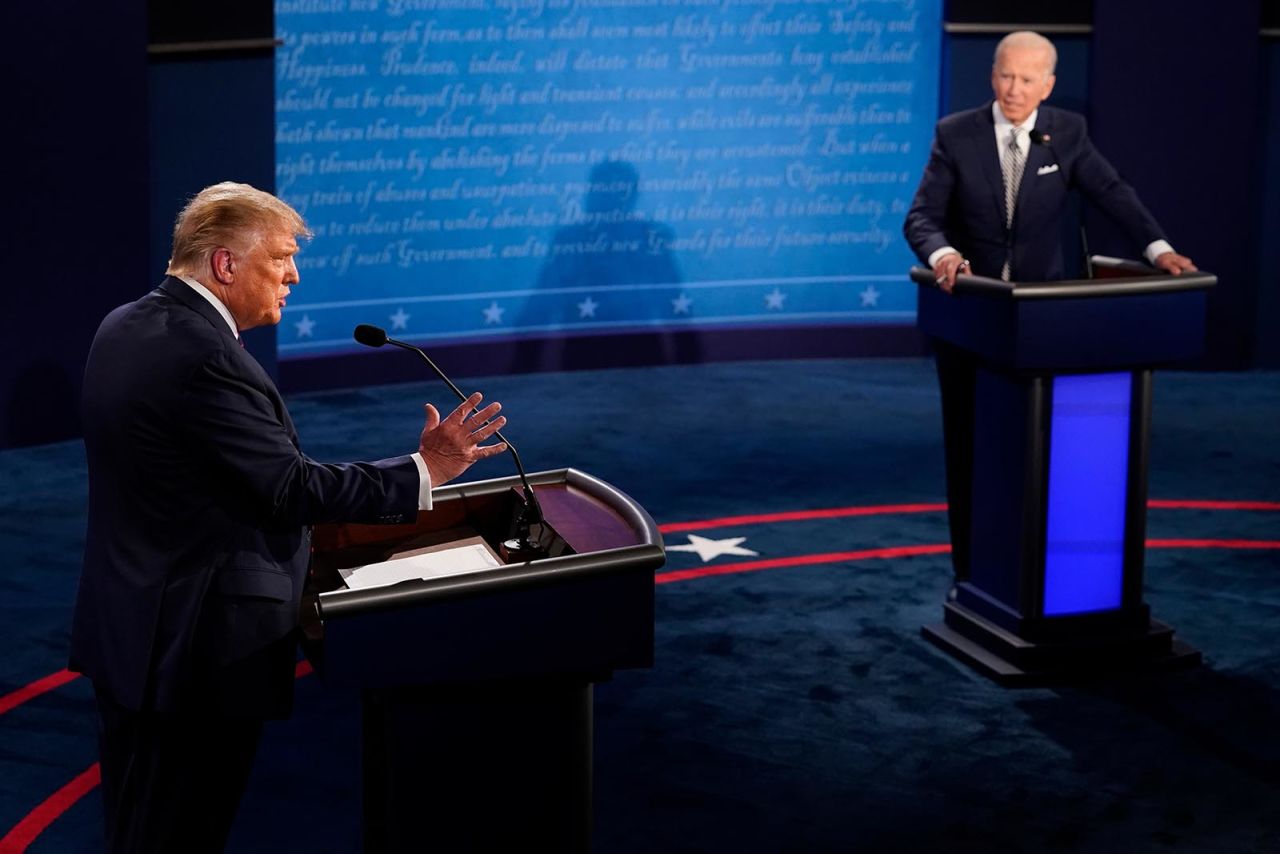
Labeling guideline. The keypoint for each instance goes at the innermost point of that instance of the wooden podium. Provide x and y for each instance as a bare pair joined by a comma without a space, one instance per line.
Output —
477,688
1060,409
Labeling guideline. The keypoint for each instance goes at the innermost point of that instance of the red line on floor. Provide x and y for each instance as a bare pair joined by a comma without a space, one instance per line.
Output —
887,509
800,516
43,685
38,820
1173,504
801,560
1213,544
50,810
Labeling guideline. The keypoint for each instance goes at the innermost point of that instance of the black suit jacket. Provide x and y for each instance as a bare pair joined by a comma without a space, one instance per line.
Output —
199,507
960,201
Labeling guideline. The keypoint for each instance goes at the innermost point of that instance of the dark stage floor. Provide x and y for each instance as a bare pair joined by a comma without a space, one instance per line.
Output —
794,705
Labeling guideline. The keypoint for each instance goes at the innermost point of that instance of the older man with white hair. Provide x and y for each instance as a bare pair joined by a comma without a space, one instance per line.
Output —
991,203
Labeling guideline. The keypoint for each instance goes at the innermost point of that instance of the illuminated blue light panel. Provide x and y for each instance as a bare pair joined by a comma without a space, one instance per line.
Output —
1088,476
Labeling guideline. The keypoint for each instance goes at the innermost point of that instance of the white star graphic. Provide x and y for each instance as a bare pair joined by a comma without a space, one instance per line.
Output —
870,297
680,305
304,326
493,314
774,300
587,308
400,320
711,549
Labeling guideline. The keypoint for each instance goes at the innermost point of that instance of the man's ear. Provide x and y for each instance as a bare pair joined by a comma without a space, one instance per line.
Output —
223,266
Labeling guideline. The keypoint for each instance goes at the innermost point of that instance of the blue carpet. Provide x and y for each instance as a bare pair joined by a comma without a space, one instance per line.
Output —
792,709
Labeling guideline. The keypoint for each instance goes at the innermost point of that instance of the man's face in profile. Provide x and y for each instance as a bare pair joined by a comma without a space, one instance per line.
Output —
263,275
1020,80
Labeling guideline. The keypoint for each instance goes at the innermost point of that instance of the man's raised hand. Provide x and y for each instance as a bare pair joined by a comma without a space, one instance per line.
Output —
449,447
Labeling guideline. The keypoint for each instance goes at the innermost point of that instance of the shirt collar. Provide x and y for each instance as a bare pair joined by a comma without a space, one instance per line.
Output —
214,301
1003,125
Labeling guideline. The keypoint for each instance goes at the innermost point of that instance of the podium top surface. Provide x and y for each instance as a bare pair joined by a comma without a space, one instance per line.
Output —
1113,323
605,532
1155,283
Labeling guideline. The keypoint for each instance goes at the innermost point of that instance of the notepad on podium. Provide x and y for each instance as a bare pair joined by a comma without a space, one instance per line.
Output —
442,561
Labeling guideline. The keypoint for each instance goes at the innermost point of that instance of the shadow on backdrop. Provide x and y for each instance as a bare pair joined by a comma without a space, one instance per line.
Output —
614,249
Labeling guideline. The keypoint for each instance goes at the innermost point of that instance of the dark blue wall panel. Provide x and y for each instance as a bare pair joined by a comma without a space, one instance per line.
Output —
75,219
1266,337
1175,108
211,119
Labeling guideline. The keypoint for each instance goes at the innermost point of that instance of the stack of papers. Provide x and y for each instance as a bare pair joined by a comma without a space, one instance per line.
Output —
458,560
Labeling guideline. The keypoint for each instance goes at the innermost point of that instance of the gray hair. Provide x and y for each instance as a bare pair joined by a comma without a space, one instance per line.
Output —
1031,41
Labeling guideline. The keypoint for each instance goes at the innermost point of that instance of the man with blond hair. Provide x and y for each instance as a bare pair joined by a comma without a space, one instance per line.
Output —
200,503
991,203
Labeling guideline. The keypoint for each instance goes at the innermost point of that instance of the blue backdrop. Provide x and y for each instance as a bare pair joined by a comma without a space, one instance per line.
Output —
499,168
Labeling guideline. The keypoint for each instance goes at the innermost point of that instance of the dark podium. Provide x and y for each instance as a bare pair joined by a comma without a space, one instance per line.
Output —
1061,408
477,688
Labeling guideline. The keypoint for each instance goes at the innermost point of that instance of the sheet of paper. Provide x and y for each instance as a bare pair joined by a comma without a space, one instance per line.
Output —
432,564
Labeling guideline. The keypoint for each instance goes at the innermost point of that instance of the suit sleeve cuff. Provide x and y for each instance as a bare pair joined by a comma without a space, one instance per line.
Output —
424,482
1156,249
938,253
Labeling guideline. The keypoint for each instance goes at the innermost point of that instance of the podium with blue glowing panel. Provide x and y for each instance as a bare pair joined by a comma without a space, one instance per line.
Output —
1061,414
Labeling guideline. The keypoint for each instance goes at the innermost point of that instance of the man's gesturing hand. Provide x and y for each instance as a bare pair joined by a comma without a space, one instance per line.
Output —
449,447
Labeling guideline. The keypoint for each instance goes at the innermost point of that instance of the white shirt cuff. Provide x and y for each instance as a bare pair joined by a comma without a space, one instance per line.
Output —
938,253
424,482
1156,249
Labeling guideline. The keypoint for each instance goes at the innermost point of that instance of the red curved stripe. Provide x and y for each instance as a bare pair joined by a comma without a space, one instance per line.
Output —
50,810
884,509
43,685
1213,544
38,820
1170,504
799,516
800,560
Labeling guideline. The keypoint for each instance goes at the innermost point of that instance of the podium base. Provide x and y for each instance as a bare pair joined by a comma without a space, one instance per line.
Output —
1015,661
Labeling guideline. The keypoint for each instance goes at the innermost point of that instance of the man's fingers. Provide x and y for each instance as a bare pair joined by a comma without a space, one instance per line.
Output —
489,429
482,451
485,414
433,416
465,407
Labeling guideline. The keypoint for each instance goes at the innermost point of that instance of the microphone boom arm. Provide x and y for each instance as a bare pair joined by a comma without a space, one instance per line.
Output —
531,515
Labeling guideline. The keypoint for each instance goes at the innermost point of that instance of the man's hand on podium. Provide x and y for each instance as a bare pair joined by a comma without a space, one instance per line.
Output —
947,268
1172,262
449,447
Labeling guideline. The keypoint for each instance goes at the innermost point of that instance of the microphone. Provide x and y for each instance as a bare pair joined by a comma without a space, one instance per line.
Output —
1038,138
531,514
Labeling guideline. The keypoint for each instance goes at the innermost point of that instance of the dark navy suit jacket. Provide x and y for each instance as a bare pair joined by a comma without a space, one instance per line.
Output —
199,507
960,201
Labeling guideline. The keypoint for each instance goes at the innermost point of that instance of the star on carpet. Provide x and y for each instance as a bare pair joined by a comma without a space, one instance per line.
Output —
710,549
